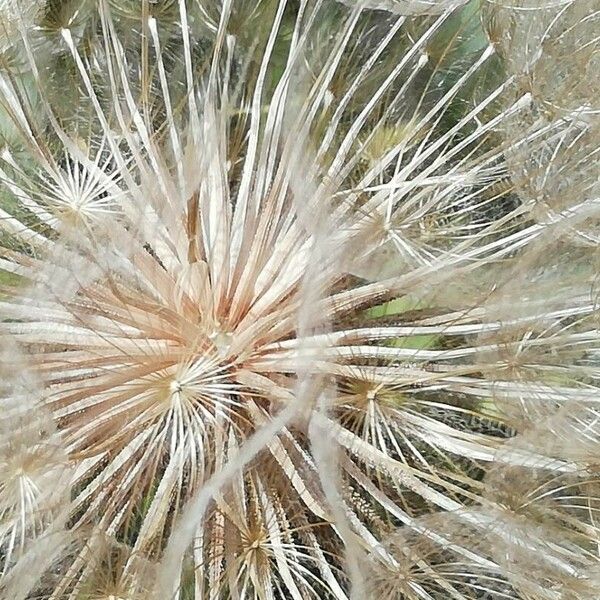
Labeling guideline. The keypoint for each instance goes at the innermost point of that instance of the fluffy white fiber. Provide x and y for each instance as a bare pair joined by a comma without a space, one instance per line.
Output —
299,300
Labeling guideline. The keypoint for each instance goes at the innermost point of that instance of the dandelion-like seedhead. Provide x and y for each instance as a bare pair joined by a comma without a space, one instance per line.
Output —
298,300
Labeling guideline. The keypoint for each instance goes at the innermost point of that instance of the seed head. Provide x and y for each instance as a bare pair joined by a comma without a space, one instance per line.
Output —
298,303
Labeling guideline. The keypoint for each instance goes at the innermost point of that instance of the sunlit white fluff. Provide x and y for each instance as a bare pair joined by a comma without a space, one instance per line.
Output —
295,324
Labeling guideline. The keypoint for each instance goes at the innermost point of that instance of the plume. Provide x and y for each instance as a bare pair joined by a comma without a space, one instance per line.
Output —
298,300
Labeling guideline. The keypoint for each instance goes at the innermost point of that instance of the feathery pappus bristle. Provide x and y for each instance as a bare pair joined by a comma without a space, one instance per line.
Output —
298,300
